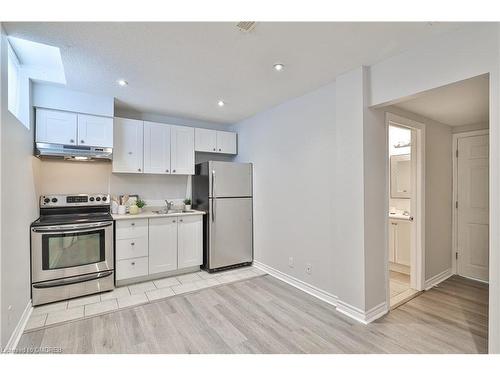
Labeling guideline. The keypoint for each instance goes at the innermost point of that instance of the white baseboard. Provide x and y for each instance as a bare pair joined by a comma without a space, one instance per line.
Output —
18,331
299,284
344,308
361,316
439,278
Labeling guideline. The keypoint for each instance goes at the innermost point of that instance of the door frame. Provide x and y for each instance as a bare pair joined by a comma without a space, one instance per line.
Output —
454,216
417,249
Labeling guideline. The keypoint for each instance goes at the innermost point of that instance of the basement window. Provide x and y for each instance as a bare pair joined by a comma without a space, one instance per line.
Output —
14,83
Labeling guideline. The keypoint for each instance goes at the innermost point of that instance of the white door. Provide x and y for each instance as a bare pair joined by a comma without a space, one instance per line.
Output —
205,140
128,146
95,131
182,150
190,241
226,142
56,127
156,148
162,244
473,207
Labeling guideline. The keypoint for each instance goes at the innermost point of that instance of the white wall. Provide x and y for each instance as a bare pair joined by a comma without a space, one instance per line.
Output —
292,147
19,170
58,97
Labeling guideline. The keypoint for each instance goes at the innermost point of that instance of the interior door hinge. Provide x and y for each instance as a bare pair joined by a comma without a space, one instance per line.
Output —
456,255
456,204
456,153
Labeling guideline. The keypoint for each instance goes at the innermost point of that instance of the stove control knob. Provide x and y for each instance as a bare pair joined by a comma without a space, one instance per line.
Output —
104,199
98,199
46,200
91,199
54,200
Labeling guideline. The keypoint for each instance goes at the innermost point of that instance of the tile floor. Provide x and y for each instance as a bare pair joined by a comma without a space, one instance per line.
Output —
132,295
401,292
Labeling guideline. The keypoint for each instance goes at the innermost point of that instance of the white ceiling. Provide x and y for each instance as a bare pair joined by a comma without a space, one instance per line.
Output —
462,103
182,69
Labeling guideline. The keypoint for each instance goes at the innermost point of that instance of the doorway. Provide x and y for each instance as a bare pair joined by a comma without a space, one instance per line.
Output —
405,211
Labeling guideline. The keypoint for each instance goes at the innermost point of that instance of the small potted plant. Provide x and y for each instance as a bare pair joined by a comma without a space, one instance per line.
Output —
187,204
140,203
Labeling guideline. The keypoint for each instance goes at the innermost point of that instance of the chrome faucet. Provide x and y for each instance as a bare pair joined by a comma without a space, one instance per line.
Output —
169,205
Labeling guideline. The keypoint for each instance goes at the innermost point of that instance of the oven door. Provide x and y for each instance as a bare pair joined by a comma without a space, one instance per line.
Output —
71,250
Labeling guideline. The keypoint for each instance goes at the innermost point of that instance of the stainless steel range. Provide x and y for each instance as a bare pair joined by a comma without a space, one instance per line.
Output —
71,247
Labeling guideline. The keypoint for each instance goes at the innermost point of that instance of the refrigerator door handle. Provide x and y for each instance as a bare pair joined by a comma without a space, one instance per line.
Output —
213,195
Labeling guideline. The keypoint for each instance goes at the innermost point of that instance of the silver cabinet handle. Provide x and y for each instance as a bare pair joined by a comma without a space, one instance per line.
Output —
138,169
220,149
71,141
215,149
82,141
181,220
132,263
166,170
173,170
132,243
132,224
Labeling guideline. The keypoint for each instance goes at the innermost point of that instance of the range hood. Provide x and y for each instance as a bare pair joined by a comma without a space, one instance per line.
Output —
76,153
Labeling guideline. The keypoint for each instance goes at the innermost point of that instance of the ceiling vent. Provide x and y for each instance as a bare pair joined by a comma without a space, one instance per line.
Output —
245,26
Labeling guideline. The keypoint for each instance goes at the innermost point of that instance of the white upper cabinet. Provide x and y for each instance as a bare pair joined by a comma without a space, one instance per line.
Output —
56,127
128,145
205,140
156,148
95,131
226,142
182,150
190,241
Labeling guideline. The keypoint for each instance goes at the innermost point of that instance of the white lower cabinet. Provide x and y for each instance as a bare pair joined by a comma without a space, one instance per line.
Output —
162,244
399,242
148,247
190,241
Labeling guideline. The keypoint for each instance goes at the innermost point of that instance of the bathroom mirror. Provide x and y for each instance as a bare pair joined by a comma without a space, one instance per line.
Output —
400,176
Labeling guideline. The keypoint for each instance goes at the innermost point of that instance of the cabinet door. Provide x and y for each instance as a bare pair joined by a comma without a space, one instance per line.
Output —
205,140
392,241
403,243
182,150
95,131
156,148
226,142
56,127
128,146
162,244
190,241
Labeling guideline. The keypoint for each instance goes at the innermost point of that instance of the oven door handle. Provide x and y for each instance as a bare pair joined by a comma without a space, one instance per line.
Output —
72,280
71,228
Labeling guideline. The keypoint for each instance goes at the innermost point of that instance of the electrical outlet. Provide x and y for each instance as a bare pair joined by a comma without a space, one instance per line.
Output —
308,268
290,262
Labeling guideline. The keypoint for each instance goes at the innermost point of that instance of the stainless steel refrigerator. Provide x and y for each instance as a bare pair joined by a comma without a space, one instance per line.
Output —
224,191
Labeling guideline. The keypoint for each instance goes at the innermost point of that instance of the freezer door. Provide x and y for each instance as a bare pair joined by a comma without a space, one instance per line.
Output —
231,228
229,179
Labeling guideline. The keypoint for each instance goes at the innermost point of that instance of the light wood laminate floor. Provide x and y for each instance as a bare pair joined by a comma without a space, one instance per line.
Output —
265,315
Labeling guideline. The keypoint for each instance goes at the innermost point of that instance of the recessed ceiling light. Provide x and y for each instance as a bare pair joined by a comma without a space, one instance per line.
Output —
122,82
279,67
221,103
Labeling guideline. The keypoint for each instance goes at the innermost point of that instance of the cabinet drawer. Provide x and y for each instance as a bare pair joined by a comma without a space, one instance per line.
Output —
131,228
127,248
129,268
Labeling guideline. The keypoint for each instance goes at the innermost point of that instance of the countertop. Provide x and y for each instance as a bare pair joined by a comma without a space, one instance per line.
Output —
148,213
399,217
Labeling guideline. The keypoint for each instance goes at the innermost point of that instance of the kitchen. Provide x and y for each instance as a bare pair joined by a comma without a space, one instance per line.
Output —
180,211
